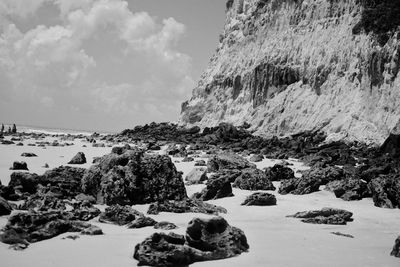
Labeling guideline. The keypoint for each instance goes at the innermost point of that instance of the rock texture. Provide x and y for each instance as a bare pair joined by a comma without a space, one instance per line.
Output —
288,66
79,158
325,216
205,240
260,199
396,248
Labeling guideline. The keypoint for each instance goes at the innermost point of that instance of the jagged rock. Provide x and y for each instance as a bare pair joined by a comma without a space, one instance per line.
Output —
386,192
215,188
260,199
185,206
228,161
200,163
279,172
120,215
187,159
165,226
8,193
211,239
24,182
79,158
324,174
42,201
119,150
253,179
196,176
349,189
141,221
325,216
133,178
396,248
5,207
19,165
299,186
28,154
33,227
256,158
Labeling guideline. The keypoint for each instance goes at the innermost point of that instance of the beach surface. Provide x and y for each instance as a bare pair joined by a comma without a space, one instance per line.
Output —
274,239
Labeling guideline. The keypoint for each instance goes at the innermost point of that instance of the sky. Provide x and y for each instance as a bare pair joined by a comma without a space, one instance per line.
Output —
103,65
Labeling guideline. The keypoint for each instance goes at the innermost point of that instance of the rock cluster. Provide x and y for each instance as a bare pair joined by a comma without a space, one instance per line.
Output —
205,240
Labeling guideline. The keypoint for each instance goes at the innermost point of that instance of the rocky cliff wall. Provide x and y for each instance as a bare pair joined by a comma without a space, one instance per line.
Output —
286,66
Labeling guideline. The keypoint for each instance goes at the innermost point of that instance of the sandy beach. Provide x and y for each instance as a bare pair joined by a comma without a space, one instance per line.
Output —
274,239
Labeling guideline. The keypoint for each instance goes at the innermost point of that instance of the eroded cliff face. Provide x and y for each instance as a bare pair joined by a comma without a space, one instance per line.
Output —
287,66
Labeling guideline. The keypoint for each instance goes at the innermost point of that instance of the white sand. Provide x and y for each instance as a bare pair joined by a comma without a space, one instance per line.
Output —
274,239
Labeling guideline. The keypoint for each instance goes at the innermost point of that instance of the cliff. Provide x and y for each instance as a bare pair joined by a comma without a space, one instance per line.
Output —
287,66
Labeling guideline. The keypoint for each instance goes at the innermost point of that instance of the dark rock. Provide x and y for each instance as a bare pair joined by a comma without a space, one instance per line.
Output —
324,174
253,179
228,161
196,176
119,150
260,199
279,172
187,159
216,188
211,239
185,206
299,186
141,221
165,226
200,163
8,193
256,158
5,207
92,230
28,154
341,234
396,248
133,178
19,165
7,142
349,189
79,158
386,191
25,182
325,216
120,215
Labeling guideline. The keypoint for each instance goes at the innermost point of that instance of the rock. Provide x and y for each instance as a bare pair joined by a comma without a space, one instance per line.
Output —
25,182
37,226
325,216
19,165
141,221
8,193
79,158
396,248
187,159
119,215
200,163
92,230
253,179
256,158
299,186
46,166
205,240
386,191
28,154
185,206
260,199
119,150
228,161
215,188
165,226
196,176
279,172
324,174
349,189
341,234
133,178
5,207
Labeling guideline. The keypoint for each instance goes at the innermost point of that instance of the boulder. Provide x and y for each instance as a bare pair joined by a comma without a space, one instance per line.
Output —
299,186
205,240
228,161
253,179
5,207
24,182
79,158
19,165
396,248
386,191
279,172
260,199
196,176
165,225
133,178
28,155
324,174
325,216
119,215
349,189
218,187
141,221
256,158
185,206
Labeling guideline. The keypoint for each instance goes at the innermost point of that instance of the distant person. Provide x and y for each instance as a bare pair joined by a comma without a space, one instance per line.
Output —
14,129
9,129
2,128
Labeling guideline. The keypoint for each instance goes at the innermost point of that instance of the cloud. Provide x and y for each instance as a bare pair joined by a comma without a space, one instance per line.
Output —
101,59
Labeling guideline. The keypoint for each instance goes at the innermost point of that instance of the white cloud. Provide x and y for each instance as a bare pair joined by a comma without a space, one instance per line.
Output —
101,58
